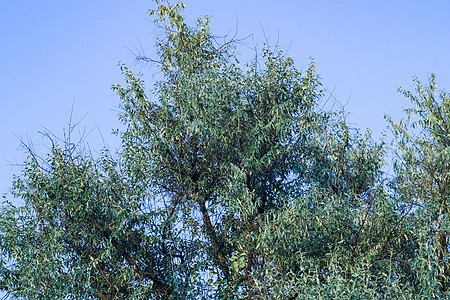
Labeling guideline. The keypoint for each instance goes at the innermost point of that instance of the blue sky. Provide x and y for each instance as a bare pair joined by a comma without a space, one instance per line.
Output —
57,53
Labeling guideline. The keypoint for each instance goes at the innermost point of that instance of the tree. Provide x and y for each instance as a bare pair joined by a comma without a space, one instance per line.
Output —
423,181
230,183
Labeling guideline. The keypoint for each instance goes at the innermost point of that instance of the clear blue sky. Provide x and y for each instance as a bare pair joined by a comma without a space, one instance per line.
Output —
55,53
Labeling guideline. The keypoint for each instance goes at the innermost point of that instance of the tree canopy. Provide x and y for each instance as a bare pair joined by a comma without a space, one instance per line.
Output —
233,182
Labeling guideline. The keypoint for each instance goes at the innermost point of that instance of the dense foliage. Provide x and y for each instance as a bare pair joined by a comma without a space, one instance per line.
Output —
233,183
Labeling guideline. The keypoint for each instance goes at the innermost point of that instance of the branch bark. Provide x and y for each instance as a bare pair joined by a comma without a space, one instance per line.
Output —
217,245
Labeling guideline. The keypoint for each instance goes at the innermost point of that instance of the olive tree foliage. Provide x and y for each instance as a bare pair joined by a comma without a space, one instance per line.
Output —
220,144
422,183
232,183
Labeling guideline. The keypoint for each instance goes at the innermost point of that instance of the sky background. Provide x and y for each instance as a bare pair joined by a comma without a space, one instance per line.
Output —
55,54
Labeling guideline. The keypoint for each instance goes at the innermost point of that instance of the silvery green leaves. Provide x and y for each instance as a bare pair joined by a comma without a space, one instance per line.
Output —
422,180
